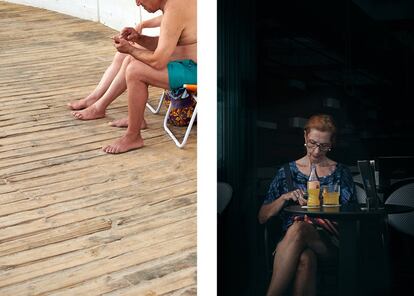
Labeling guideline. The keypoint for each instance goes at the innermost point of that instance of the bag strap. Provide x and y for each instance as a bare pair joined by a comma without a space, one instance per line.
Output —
288,175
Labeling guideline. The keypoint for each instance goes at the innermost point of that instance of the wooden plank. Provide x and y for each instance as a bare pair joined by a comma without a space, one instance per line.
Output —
52,236
66,270
163,285
133,276
67,179
123,224
31,207
34,226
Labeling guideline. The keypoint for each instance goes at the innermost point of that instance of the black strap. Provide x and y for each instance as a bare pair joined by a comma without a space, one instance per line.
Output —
288,175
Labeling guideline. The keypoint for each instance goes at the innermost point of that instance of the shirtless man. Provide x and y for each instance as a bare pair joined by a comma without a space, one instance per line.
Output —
112,83
167,61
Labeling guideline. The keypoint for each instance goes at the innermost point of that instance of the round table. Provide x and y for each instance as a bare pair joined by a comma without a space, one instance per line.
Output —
344,212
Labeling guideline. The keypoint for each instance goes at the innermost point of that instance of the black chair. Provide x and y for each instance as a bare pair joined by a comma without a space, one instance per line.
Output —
402,193
401,236
224,195
360,193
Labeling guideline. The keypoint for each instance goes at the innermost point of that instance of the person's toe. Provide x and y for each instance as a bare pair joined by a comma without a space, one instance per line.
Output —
110,149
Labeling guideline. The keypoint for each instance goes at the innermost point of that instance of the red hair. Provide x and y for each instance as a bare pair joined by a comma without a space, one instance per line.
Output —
322,123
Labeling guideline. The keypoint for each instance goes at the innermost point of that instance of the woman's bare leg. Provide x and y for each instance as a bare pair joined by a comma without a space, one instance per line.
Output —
299,236
106,80
305,279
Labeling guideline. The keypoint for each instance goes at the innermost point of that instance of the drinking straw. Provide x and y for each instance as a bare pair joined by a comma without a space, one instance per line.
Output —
140,18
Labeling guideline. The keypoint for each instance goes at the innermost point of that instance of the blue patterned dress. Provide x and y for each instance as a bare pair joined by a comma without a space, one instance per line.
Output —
279,186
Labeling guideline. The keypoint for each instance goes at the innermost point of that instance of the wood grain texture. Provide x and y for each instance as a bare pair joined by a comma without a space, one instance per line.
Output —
74,220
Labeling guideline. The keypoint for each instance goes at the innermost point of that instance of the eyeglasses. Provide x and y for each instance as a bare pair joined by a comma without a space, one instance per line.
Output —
311,144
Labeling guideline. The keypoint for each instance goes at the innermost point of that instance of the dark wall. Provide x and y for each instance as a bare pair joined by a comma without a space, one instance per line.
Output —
331,57
237,251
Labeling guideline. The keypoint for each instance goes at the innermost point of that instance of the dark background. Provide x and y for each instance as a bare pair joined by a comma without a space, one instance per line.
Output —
280,62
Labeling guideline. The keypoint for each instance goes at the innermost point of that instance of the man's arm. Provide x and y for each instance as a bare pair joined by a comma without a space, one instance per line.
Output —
151,23
148,42
170,32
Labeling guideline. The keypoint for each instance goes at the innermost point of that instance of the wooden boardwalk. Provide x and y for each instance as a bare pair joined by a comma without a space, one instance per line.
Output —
74,220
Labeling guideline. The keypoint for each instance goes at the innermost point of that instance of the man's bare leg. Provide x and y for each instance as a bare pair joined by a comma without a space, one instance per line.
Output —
305,279
299,236
100,99
138,77
117,87
106,80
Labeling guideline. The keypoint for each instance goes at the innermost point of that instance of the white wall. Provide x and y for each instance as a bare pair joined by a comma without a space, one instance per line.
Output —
115,14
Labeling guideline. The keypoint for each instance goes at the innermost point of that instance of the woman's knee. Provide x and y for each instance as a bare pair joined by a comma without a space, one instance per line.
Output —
308,260
298,231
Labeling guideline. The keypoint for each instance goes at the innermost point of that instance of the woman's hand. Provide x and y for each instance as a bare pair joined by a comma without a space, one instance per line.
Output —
326,224
296,196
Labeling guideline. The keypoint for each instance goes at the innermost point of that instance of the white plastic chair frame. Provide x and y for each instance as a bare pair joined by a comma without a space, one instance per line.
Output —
188,130
155,111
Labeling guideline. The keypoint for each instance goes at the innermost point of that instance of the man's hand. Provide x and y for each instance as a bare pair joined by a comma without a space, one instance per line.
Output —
122,45
130,34
139,28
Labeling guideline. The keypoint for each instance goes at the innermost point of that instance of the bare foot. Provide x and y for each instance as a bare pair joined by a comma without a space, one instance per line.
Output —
123,122
81,104
89,113
124,144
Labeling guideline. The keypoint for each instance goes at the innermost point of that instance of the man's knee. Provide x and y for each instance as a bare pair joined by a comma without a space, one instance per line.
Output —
134,70
308,260
120,58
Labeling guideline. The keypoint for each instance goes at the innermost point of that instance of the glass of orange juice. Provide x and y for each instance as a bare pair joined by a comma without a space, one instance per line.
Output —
330,195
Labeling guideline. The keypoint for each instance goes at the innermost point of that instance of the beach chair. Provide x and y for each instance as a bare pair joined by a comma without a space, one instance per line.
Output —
192,88
162,97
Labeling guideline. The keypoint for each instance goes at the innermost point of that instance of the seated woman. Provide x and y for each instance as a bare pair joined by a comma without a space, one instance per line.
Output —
303,242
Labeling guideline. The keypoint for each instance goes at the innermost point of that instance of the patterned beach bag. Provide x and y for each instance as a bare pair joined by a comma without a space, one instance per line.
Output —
183,104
